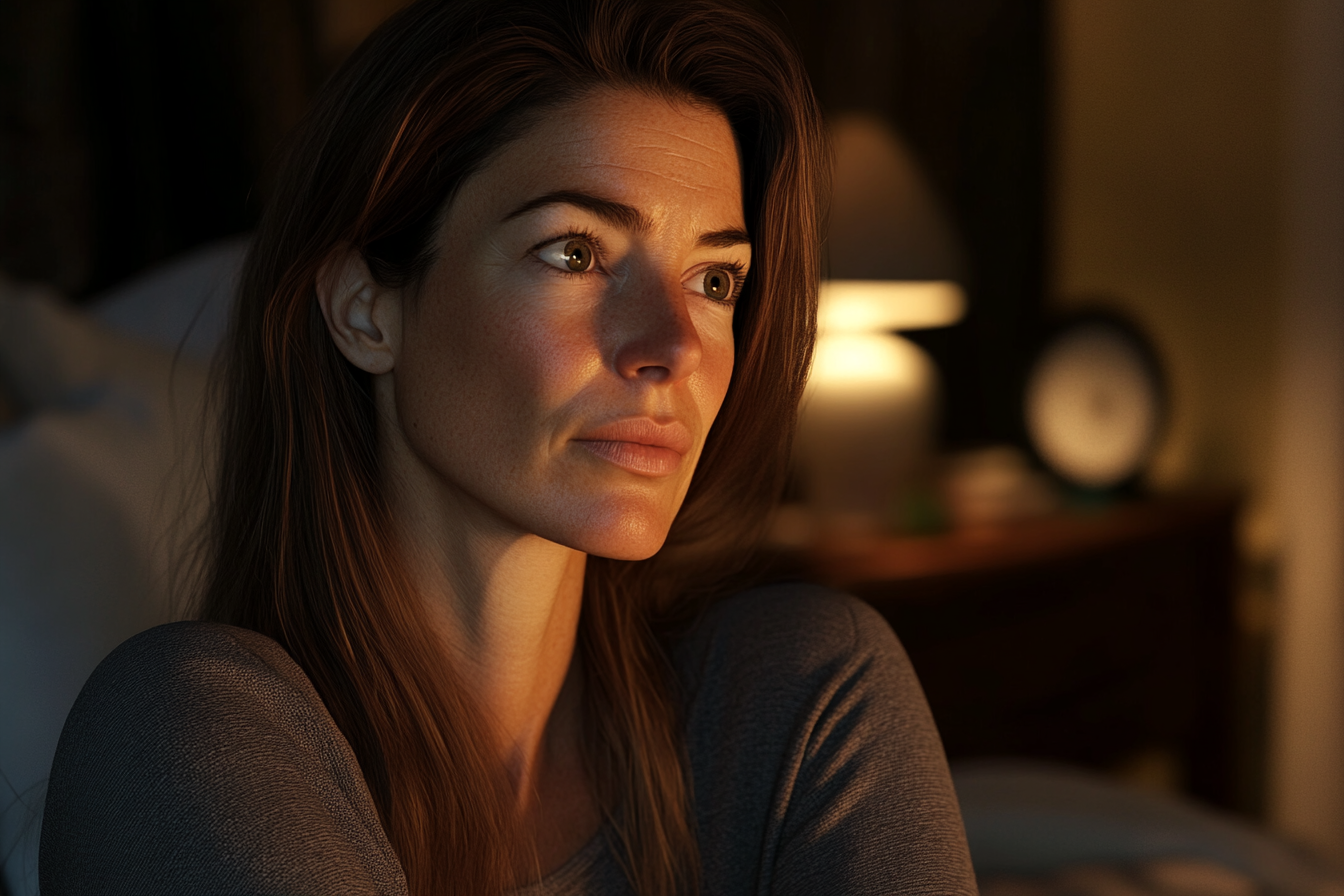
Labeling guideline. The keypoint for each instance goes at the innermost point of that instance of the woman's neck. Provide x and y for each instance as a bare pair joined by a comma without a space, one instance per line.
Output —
505,605
507,610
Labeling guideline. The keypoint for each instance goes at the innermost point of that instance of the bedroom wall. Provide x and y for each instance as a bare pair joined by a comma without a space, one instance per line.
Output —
133,130
1197,185
342,24
1307,746
1167,197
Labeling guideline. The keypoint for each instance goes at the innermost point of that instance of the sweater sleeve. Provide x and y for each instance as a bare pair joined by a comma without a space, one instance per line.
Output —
198,758
807,715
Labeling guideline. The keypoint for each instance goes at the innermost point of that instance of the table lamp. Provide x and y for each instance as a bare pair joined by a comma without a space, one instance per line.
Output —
869,414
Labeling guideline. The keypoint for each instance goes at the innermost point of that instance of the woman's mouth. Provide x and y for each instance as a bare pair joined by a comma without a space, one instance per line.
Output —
640,445
650,460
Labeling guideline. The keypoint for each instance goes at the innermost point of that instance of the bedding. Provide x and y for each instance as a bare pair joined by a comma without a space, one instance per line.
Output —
1039,829
100,482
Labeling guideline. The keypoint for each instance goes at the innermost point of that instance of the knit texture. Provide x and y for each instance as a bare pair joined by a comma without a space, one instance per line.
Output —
198,758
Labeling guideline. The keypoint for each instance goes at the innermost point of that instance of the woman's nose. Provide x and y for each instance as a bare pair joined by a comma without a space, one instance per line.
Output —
656,337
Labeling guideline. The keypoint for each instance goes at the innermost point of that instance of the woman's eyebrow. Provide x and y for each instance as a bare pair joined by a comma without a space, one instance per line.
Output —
616,213
624,216
723,239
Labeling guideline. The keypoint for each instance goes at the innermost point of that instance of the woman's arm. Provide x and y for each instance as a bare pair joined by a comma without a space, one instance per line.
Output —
198,759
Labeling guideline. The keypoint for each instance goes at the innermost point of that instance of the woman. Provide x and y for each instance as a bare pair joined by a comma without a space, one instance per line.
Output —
508,395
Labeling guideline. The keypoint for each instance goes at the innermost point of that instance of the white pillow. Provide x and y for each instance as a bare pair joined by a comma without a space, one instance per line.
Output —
184,302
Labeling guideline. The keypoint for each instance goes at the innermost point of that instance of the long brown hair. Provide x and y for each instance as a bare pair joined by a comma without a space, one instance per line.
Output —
297,538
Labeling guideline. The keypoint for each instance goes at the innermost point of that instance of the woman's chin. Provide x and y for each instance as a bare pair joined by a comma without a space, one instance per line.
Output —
635,543
618,534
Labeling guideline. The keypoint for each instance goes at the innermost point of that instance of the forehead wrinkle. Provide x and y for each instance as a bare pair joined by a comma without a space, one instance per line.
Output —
700,188
664,132
657,147
706,146
705,163
660,129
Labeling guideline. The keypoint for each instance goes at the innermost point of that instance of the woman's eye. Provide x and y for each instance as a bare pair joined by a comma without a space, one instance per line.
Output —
720,284
573,254
578,256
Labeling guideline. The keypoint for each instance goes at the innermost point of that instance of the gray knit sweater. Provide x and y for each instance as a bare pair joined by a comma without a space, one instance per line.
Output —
199,759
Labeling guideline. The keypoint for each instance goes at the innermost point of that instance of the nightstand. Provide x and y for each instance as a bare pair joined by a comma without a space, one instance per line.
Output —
1089,637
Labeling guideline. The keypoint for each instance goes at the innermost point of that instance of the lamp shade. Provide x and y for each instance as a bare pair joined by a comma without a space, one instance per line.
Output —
866,428
885,222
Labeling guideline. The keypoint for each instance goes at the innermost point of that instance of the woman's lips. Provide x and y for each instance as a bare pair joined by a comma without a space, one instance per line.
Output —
647,459
640,445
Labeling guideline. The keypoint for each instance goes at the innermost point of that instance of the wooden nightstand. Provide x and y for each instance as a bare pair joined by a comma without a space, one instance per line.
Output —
1083,637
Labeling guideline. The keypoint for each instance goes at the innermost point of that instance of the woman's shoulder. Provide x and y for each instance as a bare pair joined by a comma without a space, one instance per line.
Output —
186,683
815,760
198,755
762,669
194,661
791,629
185,678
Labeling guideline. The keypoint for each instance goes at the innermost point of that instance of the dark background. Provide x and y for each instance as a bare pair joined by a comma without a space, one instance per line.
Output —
133,130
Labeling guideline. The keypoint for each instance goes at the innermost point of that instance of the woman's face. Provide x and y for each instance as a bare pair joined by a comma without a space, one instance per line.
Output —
564,357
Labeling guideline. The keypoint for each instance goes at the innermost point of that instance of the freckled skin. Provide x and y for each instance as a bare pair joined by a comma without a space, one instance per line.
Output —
504,358
491,378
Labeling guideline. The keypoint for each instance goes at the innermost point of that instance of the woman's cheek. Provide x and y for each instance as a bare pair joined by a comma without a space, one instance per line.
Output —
716,365
554,346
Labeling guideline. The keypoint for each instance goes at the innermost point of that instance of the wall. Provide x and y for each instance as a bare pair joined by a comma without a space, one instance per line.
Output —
1307,743
1167,190
1197,184
342,24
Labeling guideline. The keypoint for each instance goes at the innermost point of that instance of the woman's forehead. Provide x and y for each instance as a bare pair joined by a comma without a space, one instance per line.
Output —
648,152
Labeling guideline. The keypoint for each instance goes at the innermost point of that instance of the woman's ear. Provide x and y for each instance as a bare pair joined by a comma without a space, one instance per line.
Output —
364,319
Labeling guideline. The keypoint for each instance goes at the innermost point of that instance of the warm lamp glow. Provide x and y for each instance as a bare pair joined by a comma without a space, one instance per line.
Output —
871,306
846,361
867,421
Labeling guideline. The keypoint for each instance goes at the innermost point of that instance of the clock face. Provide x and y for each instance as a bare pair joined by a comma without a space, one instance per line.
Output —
1094,404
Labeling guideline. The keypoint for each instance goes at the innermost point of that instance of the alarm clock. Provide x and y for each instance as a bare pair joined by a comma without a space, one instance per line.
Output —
1095,401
